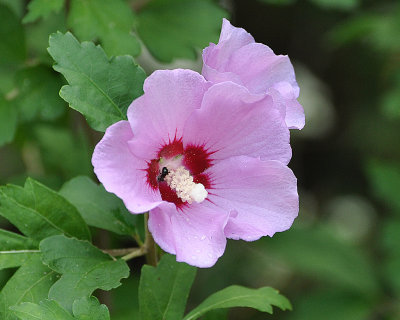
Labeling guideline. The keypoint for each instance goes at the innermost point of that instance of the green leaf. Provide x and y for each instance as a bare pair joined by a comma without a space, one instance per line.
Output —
42,8
84,268
83,309
15,249
177,28
261,299
109,21
279,2
60,143
337,4
163,291
98,207
391,262
12,44
30,283
385,182
8,121
37,94
45,310
320,254
330,305
17,6
90,308
39,212
99,88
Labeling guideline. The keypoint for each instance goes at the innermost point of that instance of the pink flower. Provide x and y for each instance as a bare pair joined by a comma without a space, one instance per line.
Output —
238,58
207,161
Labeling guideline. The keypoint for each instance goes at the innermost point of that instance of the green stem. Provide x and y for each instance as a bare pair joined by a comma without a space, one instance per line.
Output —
149,244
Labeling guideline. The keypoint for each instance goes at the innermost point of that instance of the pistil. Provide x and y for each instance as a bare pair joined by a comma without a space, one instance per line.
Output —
181,181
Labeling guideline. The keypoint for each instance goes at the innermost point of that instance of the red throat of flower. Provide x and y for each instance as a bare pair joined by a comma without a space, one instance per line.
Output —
178,173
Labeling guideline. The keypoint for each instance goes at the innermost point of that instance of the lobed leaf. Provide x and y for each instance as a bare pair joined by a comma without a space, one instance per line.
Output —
41,9
163,291
83,309
109,21
98,207
30,283
15,249
84,268
39,212
90,308
45,310
99,88
261,299
173,29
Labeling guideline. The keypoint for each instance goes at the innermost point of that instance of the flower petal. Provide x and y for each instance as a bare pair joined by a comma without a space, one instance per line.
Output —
261,196
195,234
233,122
121,172
159,115
238,58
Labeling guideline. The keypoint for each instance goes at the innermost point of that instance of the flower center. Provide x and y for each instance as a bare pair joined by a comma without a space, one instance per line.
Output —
178,173
181,181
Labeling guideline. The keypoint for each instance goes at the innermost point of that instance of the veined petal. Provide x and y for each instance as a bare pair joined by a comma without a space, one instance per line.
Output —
121,172
238,58
195,234
158,116
261,196
233,122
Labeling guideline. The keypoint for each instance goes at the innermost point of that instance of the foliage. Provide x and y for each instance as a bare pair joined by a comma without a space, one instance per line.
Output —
59,227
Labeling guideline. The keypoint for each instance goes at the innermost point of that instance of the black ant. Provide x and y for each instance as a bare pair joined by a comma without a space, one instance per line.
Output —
163,174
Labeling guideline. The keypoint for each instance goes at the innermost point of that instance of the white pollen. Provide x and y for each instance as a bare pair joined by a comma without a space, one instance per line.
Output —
198,193
182,182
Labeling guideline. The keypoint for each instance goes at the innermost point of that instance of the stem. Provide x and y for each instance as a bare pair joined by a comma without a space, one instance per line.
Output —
119,252
136,252
149,244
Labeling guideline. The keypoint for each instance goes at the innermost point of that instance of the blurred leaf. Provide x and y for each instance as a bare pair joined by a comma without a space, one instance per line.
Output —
109,21
84,268
279,2
39,212
318,253
384,179
176,28
15,249
217,314
59,143
17,6
37,36
45,310
124,300
391,262
8,121
98,207
163,291
88,308
38,94
42,8
337,4
391,102
31,283
380,30
12,44
261,299
99,88
330,305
